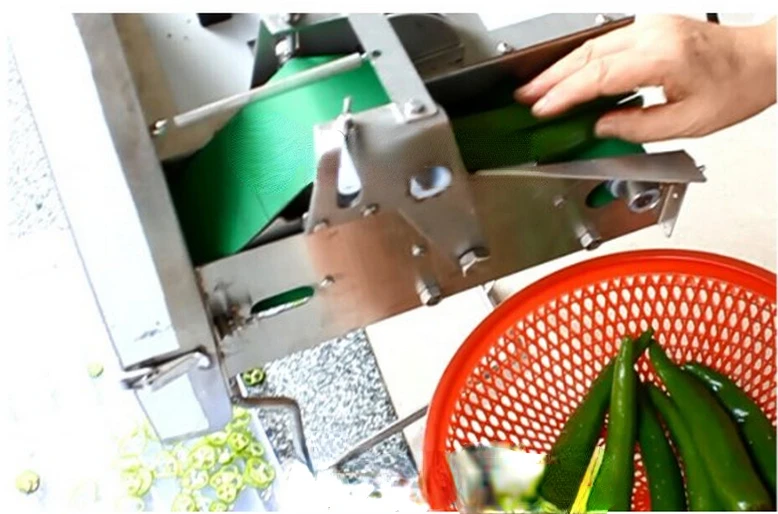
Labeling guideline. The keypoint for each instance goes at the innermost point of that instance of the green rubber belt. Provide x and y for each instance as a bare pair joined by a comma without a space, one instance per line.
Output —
263,158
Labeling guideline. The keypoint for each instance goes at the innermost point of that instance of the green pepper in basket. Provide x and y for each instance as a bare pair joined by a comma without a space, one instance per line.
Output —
572,451
699,488
757,431
613,486
664,476
737,483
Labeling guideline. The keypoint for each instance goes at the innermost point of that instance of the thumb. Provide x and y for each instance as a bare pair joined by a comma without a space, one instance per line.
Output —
644,125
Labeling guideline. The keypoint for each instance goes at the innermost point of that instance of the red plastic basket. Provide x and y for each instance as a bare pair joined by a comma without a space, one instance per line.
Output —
526,367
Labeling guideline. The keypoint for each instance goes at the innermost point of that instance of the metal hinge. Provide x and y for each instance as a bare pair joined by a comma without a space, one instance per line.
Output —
157,372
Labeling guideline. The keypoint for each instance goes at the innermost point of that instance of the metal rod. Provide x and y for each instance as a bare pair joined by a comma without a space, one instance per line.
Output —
342,65
379,436
240,397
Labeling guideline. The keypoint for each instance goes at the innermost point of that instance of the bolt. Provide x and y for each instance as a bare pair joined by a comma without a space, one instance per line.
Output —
504,48
327,281
590,241
414,107
418,250
321,225
430,294
158,128
370,210
472,257
292,18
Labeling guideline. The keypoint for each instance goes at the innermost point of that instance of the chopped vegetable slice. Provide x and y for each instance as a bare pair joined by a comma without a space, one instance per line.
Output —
184,503
219,506
137,482
27,482
238,441
95,369
259,473
227,493
202,456
253,377
253,450
195,479
217,439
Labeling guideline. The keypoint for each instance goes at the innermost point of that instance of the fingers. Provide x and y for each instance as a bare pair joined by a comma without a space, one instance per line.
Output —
576,60
645,125
611,75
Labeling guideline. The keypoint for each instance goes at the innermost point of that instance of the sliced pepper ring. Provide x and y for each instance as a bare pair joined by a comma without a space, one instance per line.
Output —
219,506
184,503
253,377
202,456
239,440
259,473
137,482
227,493
195,479
217,439
27,482
254,450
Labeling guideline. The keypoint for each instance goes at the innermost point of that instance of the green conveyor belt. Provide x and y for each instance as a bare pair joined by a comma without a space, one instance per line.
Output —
263,158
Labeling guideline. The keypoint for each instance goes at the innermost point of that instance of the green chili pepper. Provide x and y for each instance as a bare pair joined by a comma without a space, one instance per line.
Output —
253,377
664,476
613,486
137,482
184,503
699,488
570,456
218,506
202,456
756,430
738,485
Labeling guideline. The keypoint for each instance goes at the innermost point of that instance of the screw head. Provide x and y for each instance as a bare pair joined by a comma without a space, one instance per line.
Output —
418,250
370,210
504,48
413,107
158,128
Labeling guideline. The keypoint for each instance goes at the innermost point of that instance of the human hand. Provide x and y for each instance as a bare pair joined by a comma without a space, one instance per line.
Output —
713,77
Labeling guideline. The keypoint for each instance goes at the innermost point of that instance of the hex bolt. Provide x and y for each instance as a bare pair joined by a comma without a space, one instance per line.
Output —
472,257
430,294
590,241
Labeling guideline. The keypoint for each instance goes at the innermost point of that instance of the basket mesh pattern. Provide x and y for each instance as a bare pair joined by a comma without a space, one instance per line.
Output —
531,378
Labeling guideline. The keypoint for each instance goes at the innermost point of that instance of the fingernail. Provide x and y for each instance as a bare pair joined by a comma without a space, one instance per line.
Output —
541,106
604,128
526,90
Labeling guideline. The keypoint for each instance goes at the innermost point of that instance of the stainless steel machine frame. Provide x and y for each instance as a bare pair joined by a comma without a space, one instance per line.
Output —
426,231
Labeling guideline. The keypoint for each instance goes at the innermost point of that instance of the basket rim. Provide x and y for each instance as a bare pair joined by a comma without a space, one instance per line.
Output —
693,262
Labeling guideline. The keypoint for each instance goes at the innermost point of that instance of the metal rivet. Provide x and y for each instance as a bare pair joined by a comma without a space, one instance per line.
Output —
370,210
327,281
321,225
413,106
504,48
418,250
472,257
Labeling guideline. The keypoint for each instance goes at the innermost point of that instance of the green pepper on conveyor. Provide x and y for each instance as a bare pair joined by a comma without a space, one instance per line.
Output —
699,489
737,483
570,456
757,431
613,486
665,482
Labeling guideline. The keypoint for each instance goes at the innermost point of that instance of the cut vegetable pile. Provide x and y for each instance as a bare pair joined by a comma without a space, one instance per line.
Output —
210,472
719,454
